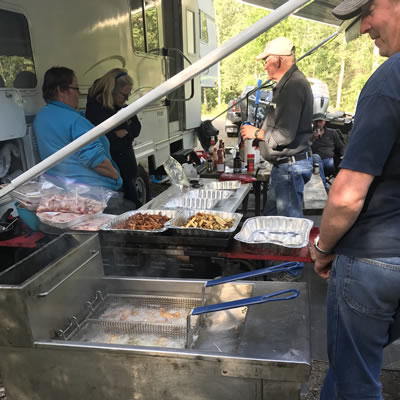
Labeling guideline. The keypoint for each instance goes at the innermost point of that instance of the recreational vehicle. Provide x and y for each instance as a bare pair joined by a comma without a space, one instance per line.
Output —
152,39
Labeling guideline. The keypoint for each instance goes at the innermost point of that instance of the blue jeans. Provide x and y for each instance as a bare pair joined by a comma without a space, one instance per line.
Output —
326,167
363,316
286,188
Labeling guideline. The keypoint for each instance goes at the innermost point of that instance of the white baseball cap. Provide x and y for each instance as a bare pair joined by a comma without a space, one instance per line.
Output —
280,46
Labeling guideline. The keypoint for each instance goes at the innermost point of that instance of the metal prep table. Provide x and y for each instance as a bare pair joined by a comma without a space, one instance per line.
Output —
258,179
47,299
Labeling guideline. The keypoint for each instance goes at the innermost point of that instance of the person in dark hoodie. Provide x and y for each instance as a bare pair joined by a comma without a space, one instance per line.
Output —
106,97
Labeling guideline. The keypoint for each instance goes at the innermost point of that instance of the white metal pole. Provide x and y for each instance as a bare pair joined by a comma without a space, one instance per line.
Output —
160,91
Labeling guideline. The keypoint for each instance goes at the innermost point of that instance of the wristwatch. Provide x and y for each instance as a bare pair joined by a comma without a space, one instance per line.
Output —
256,133
324,252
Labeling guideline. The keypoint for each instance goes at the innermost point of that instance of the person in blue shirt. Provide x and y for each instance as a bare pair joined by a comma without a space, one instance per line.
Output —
358,249
59,123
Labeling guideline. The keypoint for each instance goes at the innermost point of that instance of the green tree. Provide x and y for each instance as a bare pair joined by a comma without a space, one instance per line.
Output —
240,68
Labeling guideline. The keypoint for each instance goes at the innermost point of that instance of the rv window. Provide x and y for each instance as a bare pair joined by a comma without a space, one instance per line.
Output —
16,60
190,32
203,27
144,20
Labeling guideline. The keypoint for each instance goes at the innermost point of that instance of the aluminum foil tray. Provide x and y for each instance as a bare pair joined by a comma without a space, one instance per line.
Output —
191,203
177,225
62,220
280,234
210,194
111,226
223,185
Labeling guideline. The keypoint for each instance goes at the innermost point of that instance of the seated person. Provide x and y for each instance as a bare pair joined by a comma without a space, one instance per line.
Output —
59,123
327,146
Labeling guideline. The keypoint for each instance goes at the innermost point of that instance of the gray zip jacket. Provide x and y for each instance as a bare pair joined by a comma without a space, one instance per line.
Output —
288,127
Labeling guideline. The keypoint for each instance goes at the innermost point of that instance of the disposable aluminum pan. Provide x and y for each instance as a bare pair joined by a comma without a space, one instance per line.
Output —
210,194
182,217
191,203
111,226
223,185
282,235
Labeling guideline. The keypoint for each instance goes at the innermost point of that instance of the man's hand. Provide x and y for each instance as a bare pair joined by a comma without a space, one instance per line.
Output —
121,133
322,263
247,132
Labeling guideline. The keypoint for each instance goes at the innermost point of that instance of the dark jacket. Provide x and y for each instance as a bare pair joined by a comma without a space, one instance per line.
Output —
329,145
288,127
96,113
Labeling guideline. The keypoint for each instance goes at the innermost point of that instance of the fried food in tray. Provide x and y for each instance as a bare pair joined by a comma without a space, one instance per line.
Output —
144,222
208,221
205,223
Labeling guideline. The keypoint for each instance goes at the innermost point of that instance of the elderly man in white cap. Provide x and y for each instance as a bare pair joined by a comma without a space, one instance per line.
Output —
285,137
359,244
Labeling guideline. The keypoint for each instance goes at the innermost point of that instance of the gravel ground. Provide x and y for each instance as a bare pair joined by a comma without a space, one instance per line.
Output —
390,382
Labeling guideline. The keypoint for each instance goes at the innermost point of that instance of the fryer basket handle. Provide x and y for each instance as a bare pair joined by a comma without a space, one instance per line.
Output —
292,293
263,271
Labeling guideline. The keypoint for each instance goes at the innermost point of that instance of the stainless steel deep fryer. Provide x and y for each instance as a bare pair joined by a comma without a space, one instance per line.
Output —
231,359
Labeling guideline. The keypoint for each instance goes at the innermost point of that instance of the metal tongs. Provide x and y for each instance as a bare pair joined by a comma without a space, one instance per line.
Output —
275,296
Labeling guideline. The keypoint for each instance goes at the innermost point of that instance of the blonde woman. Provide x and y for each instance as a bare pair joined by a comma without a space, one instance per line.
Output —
106,97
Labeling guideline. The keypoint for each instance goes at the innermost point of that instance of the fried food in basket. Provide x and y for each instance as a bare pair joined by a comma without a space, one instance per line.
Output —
144,222
208,221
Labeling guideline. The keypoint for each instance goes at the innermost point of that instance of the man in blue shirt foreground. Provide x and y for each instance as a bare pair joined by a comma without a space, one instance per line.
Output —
359,244
59,123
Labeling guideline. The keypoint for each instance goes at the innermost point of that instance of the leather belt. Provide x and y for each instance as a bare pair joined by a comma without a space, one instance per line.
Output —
293,159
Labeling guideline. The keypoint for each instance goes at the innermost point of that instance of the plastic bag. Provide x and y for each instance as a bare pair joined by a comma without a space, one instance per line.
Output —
76,199
30,193
176,174
189,170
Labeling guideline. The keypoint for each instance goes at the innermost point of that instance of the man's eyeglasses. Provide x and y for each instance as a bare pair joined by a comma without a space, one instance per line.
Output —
74,88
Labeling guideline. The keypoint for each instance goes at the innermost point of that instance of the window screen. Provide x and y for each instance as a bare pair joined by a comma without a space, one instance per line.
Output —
144,21
17,68
190,32
203,27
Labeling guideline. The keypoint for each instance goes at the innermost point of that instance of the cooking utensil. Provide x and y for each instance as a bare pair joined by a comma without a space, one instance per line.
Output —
191,332
288,266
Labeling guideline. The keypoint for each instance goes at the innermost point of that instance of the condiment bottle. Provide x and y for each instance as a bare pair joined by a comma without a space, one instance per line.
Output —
221,161
237,163
212,145
210,163
250,162
241,152
215,157
222,147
